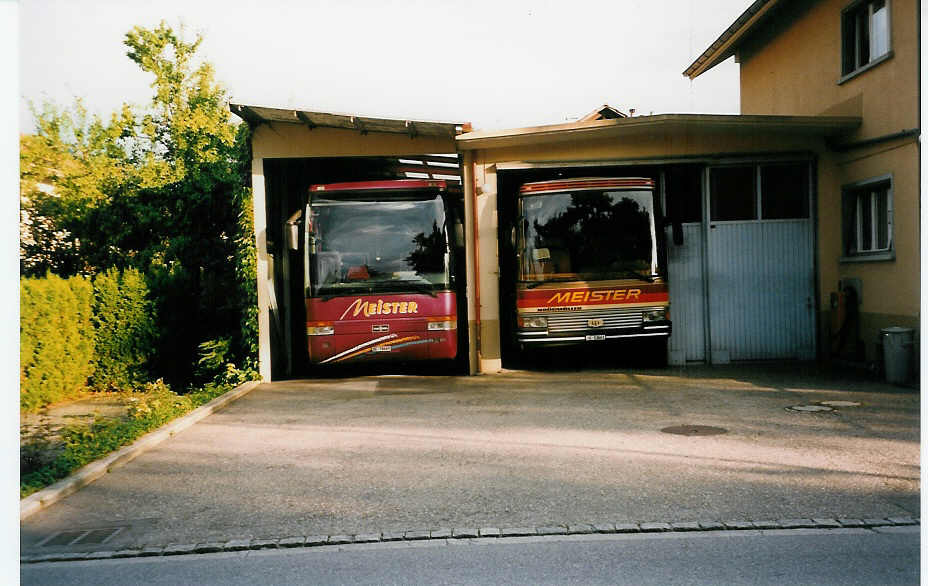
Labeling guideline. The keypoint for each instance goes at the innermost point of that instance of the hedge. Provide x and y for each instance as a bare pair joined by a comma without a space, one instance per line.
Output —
75,333
125,330
56,339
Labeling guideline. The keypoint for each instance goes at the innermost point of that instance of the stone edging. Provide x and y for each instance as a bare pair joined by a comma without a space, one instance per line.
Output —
51,494
236,545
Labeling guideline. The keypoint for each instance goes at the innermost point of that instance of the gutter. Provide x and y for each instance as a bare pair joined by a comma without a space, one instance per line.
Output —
472,163
850,146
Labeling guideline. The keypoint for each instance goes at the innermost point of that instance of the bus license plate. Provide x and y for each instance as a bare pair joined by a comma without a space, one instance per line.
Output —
596,337
382,349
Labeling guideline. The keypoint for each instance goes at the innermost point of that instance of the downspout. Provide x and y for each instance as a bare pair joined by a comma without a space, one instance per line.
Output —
472,163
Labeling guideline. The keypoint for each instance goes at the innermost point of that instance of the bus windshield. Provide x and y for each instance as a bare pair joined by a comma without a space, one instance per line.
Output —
587,235
377,246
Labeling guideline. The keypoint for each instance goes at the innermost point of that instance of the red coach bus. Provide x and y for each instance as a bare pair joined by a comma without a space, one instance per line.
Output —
378,266
588,267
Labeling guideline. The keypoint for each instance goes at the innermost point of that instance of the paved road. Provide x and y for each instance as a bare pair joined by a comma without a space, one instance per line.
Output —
843,556
394,453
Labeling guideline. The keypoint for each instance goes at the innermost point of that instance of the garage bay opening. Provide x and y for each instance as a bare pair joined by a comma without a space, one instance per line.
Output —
379,271
588,265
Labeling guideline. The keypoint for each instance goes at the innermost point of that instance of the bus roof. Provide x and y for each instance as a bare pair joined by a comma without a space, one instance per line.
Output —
382,185
588,183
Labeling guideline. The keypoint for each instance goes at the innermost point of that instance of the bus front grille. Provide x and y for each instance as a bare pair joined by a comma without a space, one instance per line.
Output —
579,321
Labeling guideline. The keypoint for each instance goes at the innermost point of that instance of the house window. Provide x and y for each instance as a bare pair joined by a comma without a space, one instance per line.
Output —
865,34
868,220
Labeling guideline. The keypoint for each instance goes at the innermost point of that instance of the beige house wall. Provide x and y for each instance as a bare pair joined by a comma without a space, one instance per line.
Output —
487,246
890,288
793,69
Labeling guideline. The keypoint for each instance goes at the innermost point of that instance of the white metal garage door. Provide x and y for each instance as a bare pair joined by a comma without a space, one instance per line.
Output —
687,296
760,290
758,266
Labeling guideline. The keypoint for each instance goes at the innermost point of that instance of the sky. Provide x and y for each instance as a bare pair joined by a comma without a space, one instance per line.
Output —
497,64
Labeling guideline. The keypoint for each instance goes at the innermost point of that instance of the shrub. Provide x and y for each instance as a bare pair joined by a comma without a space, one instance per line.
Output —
214,354
56,339
125,329
246,277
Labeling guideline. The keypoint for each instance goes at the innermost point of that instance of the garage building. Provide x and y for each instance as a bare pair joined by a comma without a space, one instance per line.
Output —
800,217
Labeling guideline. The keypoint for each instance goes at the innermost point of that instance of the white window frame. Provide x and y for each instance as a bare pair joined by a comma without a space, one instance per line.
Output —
858,68
860,191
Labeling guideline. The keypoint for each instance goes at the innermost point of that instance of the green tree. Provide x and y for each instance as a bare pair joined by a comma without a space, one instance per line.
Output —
186,228
68,167
160,188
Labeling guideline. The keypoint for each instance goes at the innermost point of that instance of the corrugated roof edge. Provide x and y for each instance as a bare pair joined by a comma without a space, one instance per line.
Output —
254,114
822,125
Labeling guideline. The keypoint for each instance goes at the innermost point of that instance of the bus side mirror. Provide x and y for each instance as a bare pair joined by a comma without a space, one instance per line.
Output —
677,228
292,231
513,234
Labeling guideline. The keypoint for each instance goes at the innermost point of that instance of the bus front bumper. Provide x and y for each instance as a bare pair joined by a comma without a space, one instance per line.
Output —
544,338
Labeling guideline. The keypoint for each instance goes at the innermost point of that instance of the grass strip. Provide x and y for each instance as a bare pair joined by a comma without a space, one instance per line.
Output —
147,410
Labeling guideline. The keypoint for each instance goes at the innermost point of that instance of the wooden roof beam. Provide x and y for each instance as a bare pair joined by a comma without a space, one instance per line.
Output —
248,115
305,120
430,171
356,122
450,159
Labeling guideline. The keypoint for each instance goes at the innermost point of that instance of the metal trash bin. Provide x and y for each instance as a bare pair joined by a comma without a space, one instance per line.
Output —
897,353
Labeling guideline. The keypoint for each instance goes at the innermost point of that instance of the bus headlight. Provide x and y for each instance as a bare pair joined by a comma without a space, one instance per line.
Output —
533,321
440,324
320,328
655,315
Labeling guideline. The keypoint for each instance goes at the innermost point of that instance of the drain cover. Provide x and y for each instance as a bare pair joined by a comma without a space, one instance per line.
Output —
694,430
840,403
810,408
80,536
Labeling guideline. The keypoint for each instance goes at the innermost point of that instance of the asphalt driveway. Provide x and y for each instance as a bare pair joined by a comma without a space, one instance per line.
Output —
397,453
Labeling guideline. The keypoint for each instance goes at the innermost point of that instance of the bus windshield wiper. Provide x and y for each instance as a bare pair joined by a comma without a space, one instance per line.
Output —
637,275
358,290
420,286
380,288
624,273
534,284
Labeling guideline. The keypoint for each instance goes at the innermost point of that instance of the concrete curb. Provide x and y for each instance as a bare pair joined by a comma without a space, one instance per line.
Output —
49,495
444,534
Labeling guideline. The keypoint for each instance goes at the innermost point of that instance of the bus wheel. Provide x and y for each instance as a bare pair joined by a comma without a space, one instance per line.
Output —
658,353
